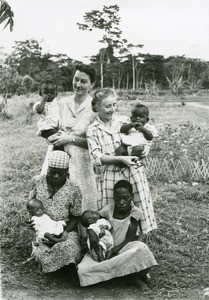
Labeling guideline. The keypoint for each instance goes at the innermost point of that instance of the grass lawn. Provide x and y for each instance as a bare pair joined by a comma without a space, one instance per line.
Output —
180,245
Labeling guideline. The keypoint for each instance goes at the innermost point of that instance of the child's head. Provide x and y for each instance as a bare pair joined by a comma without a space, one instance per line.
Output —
48,89
123,196
35,207
89,217
140,113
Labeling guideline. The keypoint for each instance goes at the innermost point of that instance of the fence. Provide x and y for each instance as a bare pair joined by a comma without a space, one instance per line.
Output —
177,170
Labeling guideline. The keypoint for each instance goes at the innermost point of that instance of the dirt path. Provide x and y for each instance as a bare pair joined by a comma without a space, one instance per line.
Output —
197,105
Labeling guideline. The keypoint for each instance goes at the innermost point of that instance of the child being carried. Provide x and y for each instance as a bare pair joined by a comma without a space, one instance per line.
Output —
138,134
45,227
93,221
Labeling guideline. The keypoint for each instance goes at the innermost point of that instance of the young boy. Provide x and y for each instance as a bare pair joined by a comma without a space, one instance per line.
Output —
93,221
137,135
45,227
48,109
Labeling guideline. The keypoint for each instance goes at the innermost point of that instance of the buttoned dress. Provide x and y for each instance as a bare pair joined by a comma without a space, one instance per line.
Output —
104,140
81,168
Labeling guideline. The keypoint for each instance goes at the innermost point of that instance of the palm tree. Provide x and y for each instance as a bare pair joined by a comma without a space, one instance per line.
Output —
6,14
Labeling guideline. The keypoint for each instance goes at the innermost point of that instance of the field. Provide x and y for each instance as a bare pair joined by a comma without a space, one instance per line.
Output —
181,243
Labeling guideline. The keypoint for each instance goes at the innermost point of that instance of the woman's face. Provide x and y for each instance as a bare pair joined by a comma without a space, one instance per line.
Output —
57,176
106,108
81,83
122,199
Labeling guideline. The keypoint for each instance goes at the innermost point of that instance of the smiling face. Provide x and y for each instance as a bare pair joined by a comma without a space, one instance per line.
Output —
106,108
81,83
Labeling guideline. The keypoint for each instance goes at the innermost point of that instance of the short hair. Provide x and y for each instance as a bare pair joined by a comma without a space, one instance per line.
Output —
139,105
47,82
88,70
31,202
100,95
123,184
84,218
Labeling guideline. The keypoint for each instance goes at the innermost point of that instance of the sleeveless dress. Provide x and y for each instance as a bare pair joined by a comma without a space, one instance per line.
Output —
132,258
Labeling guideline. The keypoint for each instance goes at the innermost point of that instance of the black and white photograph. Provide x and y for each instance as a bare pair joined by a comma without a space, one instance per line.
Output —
104,111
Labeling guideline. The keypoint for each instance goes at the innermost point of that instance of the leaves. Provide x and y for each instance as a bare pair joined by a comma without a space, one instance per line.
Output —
6,14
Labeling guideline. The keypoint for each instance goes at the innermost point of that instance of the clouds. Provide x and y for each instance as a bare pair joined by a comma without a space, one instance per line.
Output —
174,27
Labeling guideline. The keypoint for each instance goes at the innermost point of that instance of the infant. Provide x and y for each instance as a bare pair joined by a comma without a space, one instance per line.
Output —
45,227
138,134
92,220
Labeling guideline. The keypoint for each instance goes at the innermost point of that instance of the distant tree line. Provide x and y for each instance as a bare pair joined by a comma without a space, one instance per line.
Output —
119,64
26,67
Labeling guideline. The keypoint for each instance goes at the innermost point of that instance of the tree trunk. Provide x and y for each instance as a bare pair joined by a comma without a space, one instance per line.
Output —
101,74
133,70
127,81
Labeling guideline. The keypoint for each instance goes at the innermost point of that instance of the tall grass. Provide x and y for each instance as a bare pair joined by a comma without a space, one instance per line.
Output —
180,244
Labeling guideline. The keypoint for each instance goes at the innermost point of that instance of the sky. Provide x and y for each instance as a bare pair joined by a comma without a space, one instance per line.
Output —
164,27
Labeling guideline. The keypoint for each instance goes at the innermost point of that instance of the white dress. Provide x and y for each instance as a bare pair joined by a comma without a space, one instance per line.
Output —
81,167
132,258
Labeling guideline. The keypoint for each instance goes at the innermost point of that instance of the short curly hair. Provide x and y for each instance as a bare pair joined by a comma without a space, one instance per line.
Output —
88,70
100,95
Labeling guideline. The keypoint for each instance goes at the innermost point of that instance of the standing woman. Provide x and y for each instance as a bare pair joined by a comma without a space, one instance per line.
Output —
104,137
75,116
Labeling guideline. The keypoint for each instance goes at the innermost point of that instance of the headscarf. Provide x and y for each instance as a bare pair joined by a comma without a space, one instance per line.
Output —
58,159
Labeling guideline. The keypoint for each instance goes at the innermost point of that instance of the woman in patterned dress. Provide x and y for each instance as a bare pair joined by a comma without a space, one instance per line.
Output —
62,201
75,116
104,138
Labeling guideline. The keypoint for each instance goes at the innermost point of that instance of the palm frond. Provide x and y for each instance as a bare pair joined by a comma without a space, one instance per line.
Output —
6,14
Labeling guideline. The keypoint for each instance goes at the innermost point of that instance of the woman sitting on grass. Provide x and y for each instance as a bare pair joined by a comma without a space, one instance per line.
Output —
129,255
62,201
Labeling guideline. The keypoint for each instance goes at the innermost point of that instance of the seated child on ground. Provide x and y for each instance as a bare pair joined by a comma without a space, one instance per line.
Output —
45,227
92,220
138,134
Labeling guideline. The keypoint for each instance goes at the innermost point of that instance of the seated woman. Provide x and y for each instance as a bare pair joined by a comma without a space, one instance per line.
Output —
62,201
129,255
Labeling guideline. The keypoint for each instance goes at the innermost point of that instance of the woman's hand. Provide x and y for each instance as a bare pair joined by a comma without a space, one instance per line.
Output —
128,160
60,138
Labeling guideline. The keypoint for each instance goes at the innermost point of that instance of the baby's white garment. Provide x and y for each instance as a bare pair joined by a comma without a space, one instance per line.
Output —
45,224
136,138
49,118
106,241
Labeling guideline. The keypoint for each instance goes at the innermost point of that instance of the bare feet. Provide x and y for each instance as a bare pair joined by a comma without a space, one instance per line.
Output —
139,283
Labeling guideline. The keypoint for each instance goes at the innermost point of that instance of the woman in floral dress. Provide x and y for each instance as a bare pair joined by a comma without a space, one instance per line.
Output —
62,201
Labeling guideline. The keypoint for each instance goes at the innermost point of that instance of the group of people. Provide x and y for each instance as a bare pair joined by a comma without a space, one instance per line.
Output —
92,188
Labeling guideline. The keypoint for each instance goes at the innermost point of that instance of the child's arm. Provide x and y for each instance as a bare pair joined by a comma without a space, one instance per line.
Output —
51,238
147,133
40,107
130,236
126,127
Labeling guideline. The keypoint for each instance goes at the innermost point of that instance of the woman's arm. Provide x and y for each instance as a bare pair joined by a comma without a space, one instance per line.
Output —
110,159
65,138
72,223
130,236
